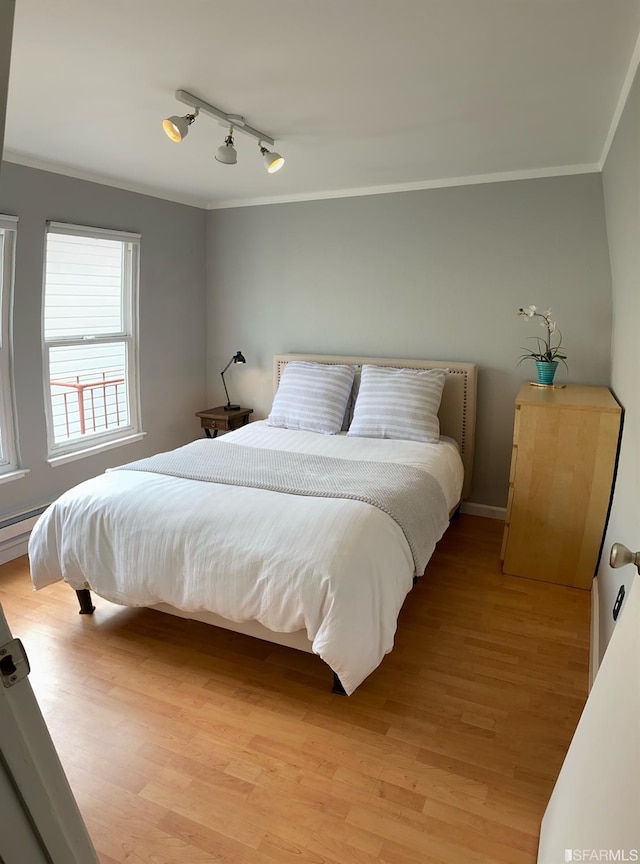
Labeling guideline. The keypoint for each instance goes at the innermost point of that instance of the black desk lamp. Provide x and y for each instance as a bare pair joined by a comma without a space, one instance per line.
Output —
237,358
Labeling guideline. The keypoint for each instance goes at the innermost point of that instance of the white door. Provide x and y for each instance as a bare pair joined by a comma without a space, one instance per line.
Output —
39,819
18,841
594,811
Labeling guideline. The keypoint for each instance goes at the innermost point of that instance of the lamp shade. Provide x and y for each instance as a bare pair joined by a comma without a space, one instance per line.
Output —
238,357
226,153
176,127
273,162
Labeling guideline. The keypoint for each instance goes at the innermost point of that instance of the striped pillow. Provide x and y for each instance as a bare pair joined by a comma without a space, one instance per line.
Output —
312,397
398,403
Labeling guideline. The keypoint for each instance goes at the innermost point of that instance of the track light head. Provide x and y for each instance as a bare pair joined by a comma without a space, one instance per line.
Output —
176,127
226,153
272,161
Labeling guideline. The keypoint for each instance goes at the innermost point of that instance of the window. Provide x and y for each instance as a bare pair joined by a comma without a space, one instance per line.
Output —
8,455
90,337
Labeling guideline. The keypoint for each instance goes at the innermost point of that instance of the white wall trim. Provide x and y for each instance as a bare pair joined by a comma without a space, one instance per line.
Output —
18,474
14,549
622,101
74,455
486,510
471,180
594,638
18,158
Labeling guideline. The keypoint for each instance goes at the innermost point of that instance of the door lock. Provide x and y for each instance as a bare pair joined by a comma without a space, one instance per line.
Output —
14,663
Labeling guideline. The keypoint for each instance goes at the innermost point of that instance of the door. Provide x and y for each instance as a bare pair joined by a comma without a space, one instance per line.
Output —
594,811
18,841
39,819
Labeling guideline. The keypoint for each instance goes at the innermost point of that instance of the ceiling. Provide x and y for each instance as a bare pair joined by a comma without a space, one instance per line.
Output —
360,95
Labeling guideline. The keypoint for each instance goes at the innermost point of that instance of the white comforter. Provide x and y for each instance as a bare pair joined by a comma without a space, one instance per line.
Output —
340,569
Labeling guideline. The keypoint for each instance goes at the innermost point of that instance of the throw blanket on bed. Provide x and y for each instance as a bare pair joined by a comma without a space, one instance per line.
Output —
411,497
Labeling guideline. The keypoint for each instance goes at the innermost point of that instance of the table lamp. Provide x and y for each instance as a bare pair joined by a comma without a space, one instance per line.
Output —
237,358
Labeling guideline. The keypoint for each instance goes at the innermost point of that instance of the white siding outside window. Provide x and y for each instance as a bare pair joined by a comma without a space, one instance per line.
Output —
90,337
8,449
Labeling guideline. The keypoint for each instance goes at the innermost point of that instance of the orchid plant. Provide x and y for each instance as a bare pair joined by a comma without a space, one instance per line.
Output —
547,352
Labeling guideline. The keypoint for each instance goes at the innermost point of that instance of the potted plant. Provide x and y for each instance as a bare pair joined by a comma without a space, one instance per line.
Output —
548,355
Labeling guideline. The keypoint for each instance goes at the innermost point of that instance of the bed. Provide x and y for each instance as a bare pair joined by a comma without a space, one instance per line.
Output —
316,570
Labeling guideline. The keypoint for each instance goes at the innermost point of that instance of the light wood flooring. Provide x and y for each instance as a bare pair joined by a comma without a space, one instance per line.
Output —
185,744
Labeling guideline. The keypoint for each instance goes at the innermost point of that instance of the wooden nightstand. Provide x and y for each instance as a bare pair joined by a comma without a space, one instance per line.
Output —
219,420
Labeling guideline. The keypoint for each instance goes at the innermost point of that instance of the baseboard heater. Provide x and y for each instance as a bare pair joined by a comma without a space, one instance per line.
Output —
15,527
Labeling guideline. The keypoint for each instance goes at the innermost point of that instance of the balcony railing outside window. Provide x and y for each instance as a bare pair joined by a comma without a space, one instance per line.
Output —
90,403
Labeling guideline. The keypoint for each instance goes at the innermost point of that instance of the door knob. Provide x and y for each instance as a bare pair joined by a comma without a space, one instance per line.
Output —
620,556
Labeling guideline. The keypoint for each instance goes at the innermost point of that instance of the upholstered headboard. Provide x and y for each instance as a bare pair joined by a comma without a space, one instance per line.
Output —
457,413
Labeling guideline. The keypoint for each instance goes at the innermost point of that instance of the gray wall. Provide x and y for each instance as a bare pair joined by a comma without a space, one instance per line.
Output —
171,320
436,274
622,199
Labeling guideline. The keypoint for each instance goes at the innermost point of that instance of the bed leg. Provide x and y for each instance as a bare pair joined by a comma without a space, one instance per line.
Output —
337,686
84,599
456,513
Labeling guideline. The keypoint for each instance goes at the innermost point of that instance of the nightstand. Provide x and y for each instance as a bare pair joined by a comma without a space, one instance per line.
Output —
219,420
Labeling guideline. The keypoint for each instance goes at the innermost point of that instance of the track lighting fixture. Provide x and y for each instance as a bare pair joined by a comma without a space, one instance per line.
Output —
226,153
178,127
272,161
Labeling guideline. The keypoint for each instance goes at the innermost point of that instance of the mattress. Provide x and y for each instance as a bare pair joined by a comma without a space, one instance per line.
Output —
337,568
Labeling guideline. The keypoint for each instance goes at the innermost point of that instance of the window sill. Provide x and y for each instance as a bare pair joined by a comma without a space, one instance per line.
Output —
63,458
14,475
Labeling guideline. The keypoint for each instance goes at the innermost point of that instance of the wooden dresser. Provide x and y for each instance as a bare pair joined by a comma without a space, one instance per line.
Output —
565,442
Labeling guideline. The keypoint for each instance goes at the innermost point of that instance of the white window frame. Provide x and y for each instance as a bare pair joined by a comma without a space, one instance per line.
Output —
91,444
8,460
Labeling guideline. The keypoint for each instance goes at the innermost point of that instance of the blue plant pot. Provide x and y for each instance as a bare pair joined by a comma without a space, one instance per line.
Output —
546,371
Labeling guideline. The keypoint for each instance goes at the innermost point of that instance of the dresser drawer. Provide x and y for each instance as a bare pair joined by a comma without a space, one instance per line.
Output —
509,503
516,424
514,460
505,540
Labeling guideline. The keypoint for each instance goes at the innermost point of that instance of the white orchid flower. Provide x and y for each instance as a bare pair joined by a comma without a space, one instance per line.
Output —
527,312
547,313
552,326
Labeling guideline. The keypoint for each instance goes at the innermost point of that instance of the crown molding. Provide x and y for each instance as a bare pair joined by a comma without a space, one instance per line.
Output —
622,101
18,158
476,179
27,161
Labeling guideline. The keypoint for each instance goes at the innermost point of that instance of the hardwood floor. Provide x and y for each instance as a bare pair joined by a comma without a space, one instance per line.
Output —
185,744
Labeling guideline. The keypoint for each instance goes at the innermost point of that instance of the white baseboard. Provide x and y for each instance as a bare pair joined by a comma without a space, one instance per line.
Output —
594,643
485,510
14,549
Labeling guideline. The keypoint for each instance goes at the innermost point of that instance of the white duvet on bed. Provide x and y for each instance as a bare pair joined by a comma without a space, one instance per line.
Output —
340,569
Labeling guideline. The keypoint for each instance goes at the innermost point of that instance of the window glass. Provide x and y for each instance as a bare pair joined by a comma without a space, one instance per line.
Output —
90,300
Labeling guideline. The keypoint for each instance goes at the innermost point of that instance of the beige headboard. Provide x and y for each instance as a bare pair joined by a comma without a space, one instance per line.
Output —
458,407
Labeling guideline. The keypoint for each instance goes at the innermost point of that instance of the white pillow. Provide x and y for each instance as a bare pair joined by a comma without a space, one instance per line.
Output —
398,403
312,397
